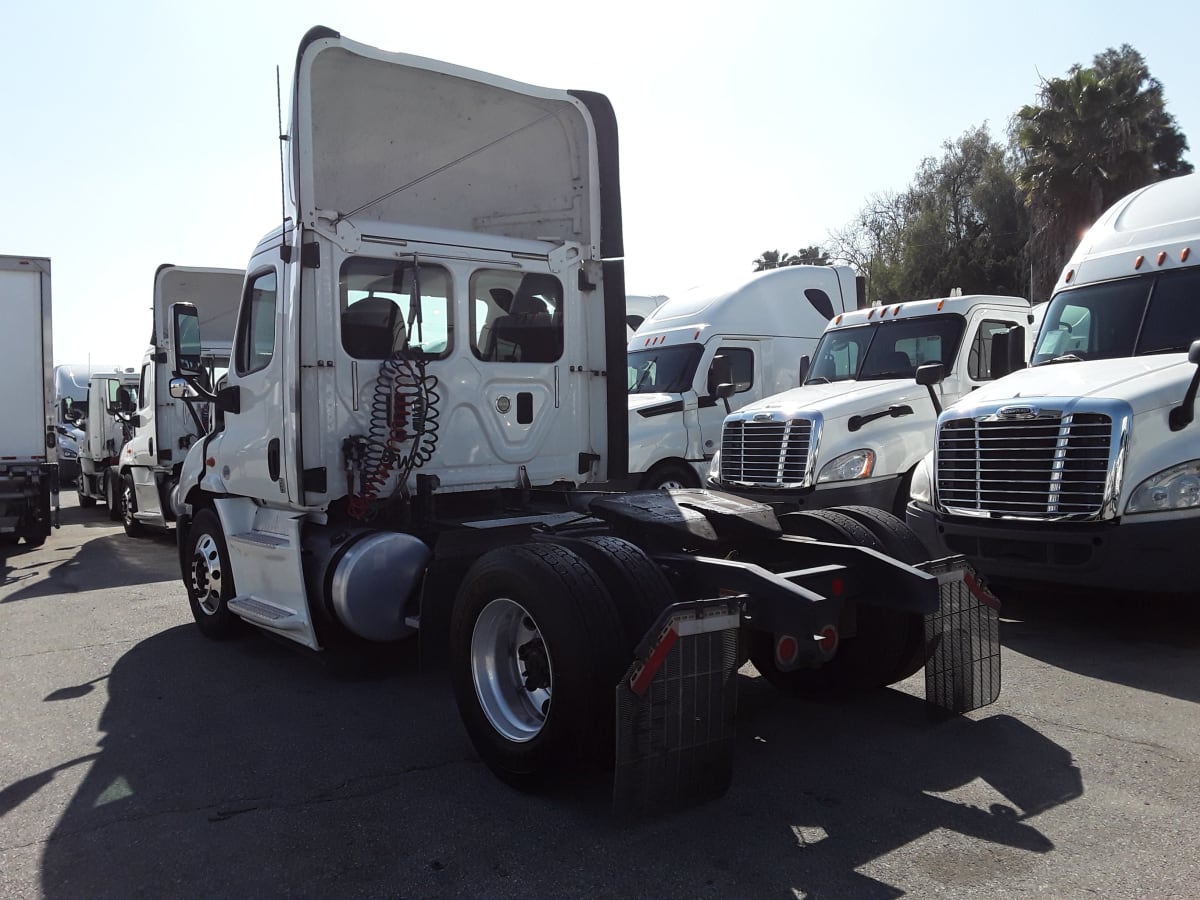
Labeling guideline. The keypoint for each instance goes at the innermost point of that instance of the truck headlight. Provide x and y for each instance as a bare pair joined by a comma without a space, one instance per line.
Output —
67,448
1175,488
855,464
921,489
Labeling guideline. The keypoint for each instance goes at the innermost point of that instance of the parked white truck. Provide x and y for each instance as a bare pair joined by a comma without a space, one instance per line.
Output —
753,335
865,415
1085,468
105,430
28,467
164,428
394,448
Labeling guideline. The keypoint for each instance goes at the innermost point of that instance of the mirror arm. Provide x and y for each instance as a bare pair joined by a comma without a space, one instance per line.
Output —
1182,415
937,406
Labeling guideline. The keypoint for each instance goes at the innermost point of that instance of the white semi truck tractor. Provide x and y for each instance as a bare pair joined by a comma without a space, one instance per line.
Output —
1084,469
428,370
104,431
163,427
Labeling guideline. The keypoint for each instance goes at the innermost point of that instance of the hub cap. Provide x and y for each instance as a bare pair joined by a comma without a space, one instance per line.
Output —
206,574
512,670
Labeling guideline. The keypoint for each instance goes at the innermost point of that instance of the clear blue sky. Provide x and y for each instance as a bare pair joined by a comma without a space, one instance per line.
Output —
141,133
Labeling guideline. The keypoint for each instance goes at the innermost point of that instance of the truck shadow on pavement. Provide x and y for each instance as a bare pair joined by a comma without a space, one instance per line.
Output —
243,768
113,560
1145,641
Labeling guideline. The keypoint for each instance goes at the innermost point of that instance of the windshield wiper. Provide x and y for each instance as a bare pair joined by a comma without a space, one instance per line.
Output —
819,379
879,376
1182,349
1066,357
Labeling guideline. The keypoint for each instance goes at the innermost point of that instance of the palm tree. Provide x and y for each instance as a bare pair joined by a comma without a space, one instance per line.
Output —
1091,138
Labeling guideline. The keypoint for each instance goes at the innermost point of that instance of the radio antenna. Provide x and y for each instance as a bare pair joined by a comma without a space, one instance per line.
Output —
285,250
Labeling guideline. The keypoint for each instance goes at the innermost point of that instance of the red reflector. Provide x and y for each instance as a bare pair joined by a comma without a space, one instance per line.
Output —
210,462
786,649
837,587
829,639
641,680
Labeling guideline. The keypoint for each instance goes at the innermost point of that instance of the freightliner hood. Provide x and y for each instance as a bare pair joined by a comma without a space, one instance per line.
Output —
843,398
1144,382
388,137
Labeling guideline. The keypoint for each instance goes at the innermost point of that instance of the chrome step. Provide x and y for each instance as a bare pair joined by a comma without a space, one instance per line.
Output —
259,612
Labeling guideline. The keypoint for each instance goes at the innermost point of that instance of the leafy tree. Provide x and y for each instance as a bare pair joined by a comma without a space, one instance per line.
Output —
1091,137
959,224
808,256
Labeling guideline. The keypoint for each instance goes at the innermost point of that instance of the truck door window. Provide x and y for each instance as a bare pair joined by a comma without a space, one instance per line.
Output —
387,304
144,387
741,364
255,341
516,316
979,360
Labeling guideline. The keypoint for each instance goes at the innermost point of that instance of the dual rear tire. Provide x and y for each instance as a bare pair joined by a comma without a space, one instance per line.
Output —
888,644
539,641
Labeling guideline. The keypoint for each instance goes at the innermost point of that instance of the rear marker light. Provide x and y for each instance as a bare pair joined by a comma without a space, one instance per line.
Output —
786,649
828,639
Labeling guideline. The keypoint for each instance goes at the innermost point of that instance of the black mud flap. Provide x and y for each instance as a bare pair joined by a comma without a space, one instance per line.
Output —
962,639
675,711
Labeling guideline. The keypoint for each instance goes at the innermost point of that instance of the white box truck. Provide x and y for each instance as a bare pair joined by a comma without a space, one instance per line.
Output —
865,415
753,335
106,429
164,428
396,448
28,467
1084,468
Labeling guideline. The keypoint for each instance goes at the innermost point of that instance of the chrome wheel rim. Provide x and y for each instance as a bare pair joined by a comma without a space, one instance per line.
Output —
512,670
206,574
127,503
671,484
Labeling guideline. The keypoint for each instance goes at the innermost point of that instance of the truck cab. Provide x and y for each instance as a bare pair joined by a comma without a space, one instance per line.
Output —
70,408
752,335
163,427
856,428
1083,468
111,396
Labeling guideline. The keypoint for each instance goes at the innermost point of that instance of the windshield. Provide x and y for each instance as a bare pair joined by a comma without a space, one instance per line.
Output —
1155,313
663,370
882,350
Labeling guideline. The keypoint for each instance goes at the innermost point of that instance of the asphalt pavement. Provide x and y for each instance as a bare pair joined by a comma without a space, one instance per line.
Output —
142,760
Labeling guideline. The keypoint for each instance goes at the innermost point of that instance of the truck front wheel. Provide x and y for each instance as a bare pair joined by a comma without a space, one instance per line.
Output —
209,578
85,500
535,655
133,527
112,494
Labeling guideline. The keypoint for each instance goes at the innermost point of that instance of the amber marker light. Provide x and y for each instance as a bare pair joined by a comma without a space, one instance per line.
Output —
1070,275
1184,254
1137,263
1162,257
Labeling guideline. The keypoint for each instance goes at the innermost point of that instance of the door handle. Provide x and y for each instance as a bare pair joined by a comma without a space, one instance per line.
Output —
273,459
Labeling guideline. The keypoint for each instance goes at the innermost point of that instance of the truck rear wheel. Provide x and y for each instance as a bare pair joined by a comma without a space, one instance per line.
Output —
133,527
882,648
209,578
535,654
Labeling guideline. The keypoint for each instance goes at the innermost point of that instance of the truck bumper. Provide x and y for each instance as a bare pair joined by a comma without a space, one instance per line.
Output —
1127,555
877,492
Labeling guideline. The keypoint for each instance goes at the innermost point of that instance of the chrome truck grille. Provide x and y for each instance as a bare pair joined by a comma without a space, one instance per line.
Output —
1022,462
772,453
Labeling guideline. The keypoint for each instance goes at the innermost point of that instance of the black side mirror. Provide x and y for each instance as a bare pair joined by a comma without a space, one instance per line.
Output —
723,392
1182,415
719,373
185,340
805,368
929,375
